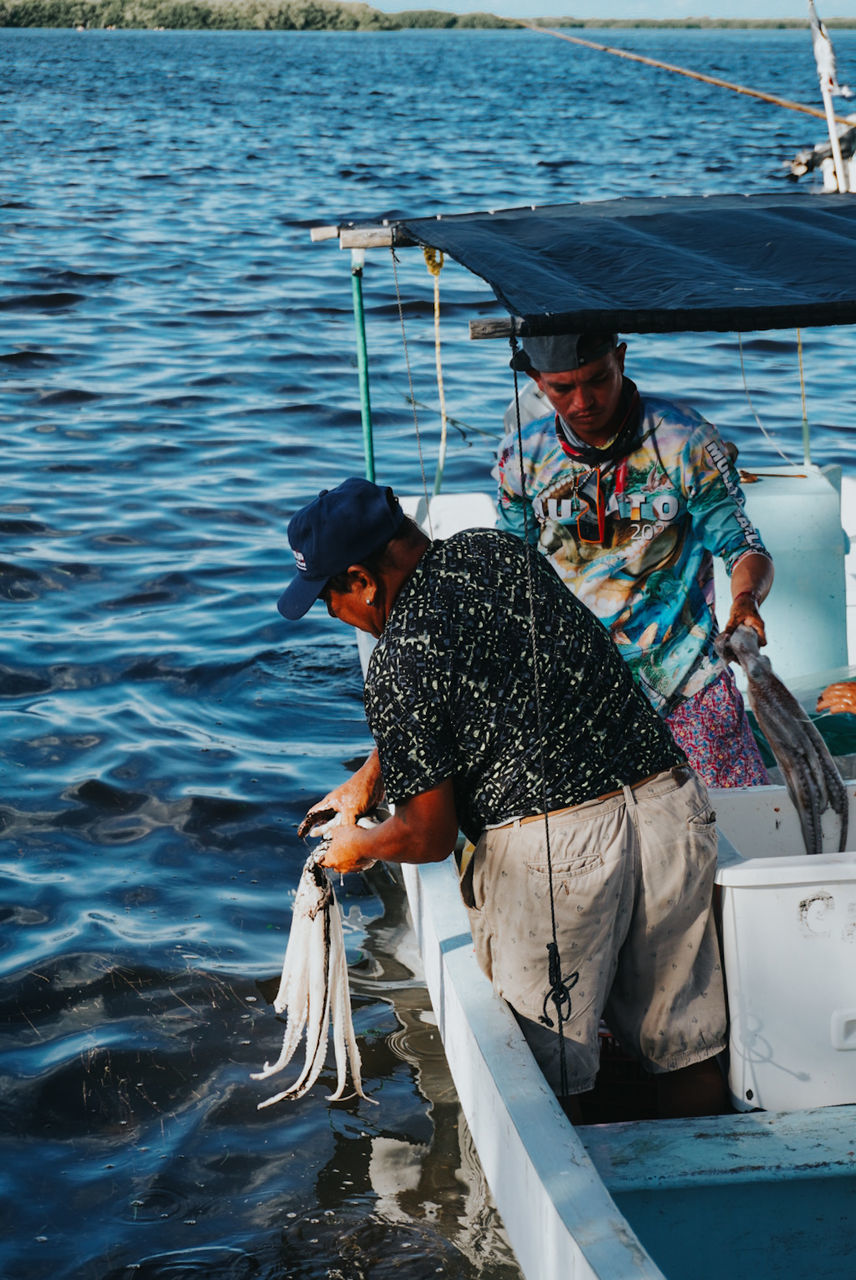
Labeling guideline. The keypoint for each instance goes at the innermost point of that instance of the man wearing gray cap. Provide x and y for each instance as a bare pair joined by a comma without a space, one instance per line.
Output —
630,496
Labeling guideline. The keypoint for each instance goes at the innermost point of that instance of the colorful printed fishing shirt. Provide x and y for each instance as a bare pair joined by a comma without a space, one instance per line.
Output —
450,691
635,539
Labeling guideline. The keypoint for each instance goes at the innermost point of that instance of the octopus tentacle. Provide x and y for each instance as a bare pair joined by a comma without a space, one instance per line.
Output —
313,989
811,777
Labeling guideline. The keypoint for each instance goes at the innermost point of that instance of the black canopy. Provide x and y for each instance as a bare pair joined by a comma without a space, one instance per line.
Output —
660,265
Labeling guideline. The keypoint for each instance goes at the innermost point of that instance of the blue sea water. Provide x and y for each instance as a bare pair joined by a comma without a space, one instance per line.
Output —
178,374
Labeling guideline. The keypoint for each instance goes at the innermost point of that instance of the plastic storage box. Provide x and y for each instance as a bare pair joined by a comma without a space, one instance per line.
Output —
789,943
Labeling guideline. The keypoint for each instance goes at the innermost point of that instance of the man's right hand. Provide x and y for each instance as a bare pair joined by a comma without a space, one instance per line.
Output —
360,793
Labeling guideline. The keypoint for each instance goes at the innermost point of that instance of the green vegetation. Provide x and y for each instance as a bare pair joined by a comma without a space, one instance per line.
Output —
229,15
304,15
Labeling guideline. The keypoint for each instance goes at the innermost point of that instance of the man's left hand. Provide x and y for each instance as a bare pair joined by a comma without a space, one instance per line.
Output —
346,850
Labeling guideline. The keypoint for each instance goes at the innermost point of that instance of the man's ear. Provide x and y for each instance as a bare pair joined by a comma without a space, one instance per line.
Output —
361,578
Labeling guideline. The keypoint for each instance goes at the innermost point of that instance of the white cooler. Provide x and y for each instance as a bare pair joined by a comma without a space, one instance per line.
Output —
789,942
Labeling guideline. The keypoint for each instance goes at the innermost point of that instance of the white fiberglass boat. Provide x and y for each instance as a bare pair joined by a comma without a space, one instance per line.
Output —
769,1190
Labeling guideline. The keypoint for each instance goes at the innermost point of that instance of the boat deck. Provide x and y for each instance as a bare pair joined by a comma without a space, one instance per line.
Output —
747,1194
764,1193
655,1155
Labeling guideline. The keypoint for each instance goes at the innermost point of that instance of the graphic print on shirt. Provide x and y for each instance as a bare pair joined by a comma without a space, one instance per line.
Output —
668,508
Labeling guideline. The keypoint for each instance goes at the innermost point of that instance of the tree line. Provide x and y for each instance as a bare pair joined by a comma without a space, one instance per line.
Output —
306,15
229,15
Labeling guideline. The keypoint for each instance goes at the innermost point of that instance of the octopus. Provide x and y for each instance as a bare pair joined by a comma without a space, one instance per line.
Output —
811,777
313,990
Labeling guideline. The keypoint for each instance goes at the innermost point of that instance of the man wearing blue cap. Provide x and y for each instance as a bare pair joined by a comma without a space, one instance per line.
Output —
500,706
630,497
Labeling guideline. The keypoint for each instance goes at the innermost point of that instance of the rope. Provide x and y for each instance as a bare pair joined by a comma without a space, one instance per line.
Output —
761,427
806,442
693,75
559,990
412,394
434,260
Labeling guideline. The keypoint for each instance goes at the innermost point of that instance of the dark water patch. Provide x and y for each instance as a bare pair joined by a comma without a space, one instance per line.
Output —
68,396
100,795
141,599
17,683
567,162
114,539
18,527
90,1028
219,820
230,515
18,583
361,1250
179,401
30,359
41,301
227,315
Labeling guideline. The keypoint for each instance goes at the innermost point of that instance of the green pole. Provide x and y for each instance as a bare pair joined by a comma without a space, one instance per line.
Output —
357,262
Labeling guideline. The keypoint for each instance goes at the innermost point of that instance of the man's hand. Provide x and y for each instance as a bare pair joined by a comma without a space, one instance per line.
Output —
345,850
422,829
360,793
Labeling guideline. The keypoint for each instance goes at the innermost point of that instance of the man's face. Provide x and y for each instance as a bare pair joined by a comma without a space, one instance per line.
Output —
587,398
352,606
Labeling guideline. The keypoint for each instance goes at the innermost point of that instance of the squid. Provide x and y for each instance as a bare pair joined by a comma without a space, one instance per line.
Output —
811,777
313,990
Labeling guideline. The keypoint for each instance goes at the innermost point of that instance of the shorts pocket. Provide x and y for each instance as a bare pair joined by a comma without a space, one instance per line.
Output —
704,820
565,862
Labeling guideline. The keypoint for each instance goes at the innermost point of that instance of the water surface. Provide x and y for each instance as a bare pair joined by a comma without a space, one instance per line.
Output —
178,375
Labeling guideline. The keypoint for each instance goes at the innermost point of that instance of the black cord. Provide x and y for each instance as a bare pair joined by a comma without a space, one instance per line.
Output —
560,990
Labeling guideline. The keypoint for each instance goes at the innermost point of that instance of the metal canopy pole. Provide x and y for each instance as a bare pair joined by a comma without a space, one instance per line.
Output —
358,258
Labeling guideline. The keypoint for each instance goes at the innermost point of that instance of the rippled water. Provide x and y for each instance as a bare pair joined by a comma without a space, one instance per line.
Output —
178,374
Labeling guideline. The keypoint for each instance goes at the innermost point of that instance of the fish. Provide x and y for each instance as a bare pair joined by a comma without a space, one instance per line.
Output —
811,776
313,989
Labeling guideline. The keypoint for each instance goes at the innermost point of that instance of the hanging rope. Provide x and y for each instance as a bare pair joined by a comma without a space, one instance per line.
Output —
693,75
434,260
412,394
764,432
559,992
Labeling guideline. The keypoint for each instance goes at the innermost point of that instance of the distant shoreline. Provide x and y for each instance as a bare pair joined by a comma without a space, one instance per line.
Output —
327,15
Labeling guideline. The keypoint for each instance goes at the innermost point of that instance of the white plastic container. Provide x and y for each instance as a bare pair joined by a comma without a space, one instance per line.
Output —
789,942
797,511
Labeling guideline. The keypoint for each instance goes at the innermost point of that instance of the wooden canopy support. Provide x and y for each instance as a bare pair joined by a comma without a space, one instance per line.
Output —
504,327
384,236
381,236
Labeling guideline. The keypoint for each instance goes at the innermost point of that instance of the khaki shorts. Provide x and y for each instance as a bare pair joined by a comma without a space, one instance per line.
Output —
632,890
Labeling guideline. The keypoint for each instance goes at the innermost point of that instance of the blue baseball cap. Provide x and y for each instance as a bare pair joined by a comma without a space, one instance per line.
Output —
335,530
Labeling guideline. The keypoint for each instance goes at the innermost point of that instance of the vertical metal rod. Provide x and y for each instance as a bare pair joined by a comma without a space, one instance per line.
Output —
358,258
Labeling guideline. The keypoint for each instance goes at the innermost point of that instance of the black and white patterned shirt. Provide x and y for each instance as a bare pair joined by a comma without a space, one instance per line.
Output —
450,691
